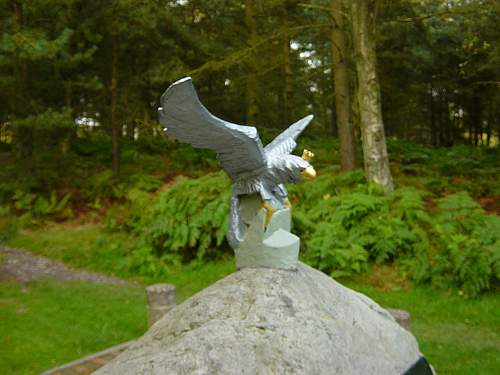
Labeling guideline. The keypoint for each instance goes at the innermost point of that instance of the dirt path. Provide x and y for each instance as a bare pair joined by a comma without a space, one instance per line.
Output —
23,266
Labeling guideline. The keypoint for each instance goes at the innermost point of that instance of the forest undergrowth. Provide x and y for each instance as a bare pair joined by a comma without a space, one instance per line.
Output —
171,205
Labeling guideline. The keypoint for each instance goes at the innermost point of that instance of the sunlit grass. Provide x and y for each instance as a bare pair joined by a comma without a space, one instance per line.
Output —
457,335
44,324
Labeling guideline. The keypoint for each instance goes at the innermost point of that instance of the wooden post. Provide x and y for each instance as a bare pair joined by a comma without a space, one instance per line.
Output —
161,299
402,317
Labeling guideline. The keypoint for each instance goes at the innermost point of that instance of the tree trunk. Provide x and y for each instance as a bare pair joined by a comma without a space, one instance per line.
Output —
343,107
475,116
22,67
115,125
387,109
490,122
18,9
23,135
448,138
432,108
375,155
251,86
288,115
325,90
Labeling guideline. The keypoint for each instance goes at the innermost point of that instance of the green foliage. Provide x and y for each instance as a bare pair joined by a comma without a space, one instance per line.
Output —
470,244
33,45
144,182
447,170
8,230
345,225
332,251
182,222
99,185
429,228
4,210
359,226
48,120
95,144
455,244
105,185
41,144
51,206
38,205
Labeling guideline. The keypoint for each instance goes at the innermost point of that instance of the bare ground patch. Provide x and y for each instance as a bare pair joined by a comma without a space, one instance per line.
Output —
23,266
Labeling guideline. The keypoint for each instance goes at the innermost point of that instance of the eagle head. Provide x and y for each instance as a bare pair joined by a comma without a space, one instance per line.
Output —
291,169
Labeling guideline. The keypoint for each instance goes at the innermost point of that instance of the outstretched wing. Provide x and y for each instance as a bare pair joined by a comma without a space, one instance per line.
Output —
285,142
184,118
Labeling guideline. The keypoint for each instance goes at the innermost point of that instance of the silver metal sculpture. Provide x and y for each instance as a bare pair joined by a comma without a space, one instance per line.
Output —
258,173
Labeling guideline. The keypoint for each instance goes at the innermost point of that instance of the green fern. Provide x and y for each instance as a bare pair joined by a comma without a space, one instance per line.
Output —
470,244
186,219
344,224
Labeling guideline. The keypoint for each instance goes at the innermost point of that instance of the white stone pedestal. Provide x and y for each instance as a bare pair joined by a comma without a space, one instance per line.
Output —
271,247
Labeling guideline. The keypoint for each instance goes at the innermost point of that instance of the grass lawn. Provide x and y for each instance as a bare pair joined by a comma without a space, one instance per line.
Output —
50,323
44,324
457,335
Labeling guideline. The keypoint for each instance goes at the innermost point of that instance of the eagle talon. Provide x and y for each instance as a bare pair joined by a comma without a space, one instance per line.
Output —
270,210
286,203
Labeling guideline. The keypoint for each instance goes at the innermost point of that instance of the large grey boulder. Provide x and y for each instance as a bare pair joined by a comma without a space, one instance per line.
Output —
270,321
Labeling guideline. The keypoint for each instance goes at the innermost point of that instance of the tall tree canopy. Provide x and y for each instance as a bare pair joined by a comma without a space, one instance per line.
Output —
260,62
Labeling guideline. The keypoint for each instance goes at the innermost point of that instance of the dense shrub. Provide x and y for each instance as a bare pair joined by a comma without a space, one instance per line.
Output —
469,242
453,244
346,230
38,205
430,227
183,222
41,144
345,225
447,170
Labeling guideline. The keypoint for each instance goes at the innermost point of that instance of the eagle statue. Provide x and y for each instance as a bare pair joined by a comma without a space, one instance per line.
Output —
256,171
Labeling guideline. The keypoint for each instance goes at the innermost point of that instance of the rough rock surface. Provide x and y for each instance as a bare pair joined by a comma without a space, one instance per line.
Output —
268,321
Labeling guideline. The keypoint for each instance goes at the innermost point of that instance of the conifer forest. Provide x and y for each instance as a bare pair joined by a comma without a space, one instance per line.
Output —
406,206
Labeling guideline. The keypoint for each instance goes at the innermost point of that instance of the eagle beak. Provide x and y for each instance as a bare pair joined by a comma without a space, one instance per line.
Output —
308,174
